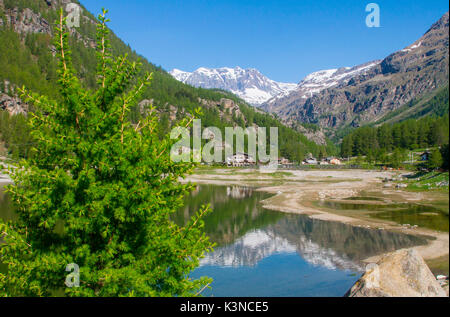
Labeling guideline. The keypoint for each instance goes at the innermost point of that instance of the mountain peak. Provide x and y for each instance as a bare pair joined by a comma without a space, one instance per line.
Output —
249,84
368,92
442,23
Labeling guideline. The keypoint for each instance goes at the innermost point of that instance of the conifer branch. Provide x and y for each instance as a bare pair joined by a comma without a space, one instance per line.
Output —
200,215
187,125
127,100
103,32
61,40
201,291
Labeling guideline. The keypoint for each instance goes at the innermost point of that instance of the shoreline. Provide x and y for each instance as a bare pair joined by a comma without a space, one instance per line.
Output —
294,194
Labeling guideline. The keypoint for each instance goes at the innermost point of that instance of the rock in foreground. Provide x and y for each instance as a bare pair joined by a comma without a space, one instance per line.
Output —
402,273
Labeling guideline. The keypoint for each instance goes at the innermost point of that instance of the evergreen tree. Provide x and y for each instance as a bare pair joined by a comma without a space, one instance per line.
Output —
347,146
98,192
370,157
410,134
435,161
397,157
445,156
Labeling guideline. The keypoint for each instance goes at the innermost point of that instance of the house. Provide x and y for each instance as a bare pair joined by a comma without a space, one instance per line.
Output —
330,160
250,160
310,160
284,161
240,159
335,161
425,156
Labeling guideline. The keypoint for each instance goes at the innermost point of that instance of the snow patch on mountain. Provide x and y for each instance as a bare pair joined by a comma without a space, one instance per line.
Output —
412,47
248,84
179,74
324,79
318,81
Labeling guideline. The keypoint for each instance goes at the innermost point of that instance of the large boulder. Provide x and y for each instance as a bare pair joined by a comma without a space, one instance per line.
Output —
402,273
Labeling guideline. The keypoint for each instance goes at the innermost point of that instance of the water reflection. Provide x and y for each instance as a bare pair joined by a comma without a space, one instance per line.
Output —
246,233
239,192
336,245
231,218
266,253
330,245
402,213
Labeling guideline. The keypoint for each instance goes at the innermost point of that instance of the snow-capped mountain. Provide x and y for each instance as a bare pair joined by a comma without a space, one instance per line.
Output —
318,81
369,92
248,84
315,82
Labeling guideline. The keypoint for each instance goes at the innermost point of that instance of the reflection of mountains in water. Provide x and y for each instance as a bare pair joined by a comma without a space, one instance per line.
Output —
246,233
239,192
322,243
249,249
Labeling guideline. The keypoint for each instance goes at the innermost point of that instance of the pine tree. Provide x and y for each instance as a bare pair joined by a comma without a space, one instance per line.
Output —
347,146
370,158
445,156
397,157
435,160
99,191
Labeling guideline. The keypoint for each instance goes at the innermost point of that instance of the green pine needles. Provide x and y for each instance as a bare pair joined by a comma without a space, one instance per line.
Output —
98,191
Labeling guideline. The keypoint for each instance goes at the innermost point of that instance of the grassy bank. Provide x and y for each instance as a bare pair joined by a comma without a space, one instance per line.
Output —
439,266
428,181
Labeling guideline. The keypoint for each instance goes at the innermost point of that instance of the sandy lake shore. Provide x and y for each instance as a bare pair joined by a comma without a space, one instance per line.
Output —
296,191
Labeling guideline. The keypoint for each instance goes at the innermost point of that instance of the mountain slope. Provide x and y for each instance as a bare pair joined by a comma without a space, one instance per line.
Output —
248,84
433,104
368,96
316,82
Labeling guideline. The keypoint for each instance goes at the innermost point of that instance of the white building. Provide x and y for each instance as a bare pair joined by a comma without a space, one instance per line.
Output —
240,159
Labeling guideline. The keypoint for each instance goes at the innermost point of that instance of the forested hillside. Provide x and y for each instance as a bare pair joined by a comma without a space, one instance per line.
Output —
27,58
412,134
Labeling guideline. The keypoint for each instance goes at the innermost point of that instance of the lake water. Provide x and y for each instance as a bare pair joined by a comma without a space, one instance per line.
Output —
266,253
404,213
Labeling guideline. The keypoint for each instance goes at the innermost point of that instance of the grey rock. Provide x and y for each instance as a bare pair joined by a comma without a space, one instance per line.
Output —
13,105
27,21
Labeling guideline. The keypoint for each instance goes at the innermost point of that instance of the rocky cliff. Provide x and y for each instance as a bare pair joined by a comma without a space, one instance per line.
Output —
27,21
13,105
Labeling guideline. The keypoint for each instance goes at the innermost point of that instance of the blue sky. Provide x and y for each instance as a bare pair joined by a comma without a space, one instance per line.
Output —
284,39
